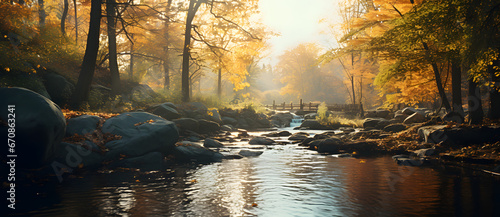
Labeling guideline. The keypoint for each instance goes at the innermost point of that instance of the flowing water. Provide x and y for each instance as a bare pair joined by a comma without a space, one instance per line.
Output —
286,180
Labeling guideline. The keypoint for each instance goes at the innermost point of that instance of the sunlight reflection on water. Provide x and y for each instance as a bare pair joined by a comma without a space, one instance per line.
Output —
286,180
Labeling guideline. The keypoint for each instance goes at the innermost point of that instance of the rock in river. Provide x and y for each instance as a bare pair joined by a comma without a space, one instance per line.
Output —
141,133
38,123
188,152
261,141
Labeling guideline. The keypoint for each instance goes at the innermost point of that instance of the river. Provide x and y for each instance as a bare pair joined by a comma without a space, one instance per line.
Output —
286,180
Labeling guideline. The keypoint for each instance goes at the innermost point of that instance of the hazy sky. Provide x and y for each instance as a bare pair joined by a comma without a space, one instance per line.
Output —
297,21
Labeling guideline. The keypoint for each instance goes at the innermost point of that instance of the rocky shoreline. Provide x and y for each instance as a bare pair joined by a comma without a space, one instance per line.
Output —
167,134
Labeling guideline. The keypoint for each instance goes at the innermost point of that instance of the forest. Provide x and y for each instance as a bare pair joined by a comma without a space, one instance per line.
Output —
250,107
389,54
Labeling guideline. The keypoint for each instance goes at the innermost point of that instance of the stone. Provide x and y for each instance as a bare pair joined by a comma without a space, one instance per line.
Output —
261,141
299,136
206,126
395,128
371,122
457,136
414,118
142,93
165,110
313,125
58,88
324,135
382,113
248,153
330,145
212,143
187,124
215,116
188,152
141,133
39,126
148,162
281,119
277,134
82,125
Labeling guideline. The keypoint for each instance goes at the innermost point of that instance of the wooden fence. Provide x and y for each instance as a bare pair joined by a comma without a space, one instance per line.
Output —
354,108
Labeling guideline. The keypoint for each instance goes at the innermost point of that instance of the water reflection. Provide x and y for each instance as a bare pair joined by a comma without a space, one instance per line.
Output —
284,181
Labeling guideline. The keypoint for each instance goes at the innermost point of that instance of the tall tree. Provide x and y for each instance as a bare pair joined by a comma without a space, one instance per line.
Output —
82,89
113,58
63,17
194,5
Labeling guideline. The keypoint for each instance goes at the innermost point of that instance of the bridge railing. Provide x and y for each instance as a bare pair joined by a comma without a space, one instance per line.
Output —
354,108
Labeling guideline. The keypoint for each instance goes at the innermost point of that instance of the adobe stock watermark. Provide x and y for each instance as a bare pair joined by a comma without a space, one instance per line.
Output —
11,156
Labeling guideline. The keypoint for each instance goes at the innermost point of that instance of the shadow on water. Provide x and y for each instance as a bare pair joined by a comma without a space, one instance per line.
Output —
284,181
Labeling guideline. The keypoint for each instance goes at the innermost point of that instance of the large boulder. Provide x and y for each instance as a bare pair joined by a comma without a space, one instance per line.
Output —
313,125
416,117
165,110
141,133
372,122
142,93
400,117
330,145
191,152
457,136
82,125
281,119
206,126
215,116
187,124
37,124
300,136
58,88
261,141
212,143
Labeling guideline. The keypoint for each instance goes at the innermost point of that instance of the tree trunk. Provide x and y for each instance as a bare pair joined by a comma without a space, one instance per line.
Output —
353,92
41,13
439,83
63,17
113,58
76,22
476,113
89,59
456,85
131,66
193,8
166,84
219,83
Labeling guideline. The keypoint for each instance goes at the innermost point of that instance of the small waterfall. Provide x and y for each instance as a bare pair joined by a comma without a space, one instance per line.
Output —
296,121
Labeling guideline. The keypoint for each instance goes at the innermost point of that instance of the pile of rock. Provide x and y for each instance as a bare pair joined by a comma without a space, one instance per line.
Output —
394,122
